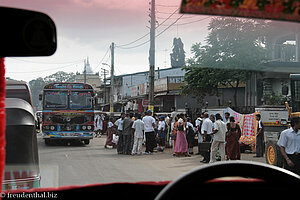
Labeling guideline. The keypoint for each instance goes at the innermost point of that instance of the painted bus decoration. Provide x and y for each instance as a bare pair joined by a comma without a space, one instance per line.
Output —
68,112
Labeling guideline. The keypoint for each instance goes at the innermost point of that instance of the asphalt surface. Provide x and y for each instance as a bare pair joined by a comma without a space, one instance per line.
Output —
77,164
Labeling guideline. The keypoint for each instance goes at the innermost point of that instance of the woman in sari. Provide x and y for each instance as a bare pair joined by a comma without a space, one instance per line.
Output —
181,146
232,140
110,132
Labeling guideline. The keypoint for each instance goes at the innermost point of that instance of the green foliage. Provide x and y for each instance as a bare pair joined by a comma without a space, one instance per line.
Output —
206,81
234,46
273,99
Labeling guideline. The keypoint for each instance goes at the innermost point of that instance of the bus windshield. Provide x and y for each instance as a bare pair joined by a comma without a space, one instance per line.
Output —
81,100
57,99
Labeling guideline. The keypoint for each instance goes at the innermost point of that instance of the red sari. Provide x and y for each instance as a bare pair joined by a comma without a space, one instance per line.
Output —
232,142
110,132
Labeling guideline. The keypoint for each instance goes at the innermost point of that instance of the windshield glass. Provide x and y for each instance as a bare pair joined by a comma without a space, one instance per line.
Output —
56,99
18,91
190,71
81,100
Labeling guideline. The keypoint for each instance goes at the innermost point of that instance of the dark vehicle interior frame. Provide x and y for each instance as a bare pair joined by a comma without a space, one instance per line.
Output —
224,179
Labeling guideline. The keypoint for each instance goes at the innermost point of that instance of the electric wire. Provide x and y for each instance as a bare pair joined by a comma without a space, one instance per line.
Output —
168,6
136,46
102,59
191,22
123,46
44,63
45,70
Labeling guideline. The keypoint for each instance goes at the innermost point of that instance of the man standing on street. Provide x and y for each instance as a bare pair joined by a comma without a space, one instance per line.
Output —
119,124
206,130
219,139
98,125
127,131
289,143
149,124
227,116
138,134
198,124
259,137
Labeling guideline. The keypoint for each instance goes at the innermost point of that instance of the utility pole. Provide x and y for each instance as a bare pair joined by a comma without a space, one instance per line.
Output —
297,47
112,49
104,72
84,72
152,55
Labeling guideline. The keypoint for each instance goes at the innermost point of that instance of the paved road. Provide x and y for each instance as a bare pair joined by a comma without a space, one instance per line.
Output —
79,164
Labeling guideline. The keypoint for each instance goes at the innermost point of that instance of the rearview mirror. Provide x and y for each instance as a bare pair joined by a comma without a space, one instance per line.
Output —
26,33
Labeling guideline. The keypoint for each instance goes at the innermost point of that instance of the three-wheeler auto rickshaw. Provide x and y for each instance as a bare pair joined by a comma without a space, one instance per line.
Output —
21,159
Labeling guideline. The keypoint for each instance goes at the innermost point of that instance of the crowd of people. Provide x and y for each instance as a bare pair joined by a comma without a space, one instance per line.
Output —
218,138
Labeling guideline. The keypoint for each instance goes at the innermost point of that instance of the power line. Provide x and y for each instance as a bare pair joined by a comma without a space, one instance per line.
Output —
155,36
168,6
167,18
133,41
44,63
18,72
199,20
132,47
170,25
167,13
191,21
120,47
123,46
187,17
102,58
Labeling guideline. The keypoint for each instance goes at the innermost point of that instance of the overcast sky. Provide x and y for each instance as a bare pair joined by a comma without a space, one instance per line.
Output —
88,27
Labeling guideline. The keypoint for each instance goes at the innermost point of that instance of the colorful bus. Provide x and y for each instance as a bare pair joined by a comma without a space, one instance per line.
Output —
68,112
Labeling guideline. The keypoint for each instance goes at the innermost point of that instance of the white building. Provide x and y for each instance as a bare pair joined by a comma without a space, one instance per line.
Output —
89,77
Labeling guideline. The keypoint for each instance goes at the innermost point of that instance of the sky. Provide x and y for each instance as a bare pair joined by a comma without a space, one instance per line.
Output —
86,28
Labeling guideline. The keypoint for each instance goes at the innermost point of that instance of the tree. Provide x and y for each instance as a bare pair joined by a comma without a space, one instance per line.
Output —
206,81
37,85
233,45
60,76
36,88
178,53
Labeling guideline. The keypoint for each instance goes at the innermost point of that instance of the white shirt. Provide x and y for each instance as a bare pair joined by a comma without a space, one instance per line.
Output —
259,124
221,127
173,115
148,121
110,124
198,121
189,124
290,140
119,124
226,121
206,126
135,106
161,125
98,123
138,126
